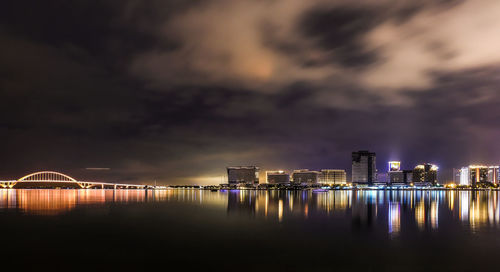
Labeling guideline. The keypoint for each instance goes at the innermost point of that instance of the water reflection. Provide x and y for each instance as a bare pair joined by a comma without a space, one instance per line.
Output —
390,211
53,202
393,210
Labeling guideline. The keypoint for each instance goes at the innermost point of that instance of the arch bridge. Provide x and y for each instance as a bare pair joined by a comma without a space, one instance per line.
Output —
52,179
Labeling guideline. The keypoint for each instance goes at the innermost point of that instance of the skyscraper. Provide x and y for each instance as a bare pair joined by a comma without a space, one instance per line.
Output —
395,175
408,176
493,174
477,174
364,169
425,174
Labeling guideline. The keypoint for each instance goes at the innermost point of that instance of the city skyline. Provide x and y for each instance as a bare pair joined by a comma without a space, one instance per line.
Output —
453,177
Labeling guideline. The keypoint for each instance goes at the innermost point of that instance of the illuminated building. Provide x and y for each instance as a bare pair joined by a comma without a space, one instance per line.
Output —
305,176
277,177
464,176
425,174
394,166
395,175
493,174
332,176
243,174
477,174
364,170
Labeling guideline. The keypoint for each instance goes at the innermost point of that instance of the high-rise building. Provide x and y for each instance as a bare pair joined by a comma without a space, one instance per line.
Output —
464,176
456,175
408,176
477,174
364,169
395,175
332,176
243,174
425,174
277,177
305,176
493,174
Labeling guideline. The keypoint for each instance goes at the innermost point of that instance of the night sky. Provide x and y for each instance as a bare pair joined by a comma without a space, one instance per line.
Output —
175,91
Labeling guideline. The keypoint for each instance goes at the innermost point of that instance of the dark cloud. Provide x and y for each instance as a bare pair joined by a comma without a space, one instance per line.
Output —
341,30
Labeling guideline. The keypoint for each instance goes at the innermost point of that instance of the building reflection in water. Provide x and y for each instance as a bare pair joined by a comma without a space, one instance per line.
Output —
391,211
281,204
479,209
394,222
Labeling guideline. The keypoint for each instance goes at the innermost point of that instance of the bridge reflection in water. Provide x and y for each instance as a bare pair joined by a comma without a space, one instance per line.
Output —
52,202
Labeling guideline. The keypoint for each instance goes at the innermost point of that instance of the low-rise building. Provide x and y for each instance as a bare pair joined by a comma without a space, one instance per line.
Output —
332,176
277,177
243,175
305,177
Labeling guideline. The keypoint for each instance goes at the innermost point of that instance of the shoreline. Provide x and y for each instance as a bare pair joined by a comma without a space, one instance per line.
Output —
317,190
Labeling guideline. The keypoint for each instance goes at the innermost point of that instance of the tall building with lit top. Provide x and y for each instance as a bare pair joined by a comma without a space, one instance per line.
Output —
243,174
364,169
425,174
394,173
305,177
277,177
478,174
332,176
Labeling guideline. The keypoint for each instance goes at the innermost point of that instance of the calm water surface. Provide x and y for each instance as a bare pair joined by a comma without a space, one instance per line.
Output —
141,230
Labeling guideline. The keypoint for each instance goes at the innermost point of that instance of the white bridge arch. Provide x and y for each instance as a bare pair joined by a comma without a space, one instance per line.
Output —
49,176
52,178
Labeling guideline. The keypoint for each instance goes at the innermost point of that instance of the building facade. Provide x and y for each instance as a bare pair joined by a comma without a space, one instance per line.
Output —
332,176
408,176
473,175
305,177
425,174
277,177
364,170
394,175
493,174
243,175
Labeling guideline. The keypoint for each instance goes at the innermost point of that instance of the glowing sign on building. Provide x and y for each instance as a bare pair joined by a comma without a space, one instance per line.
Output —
394,166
